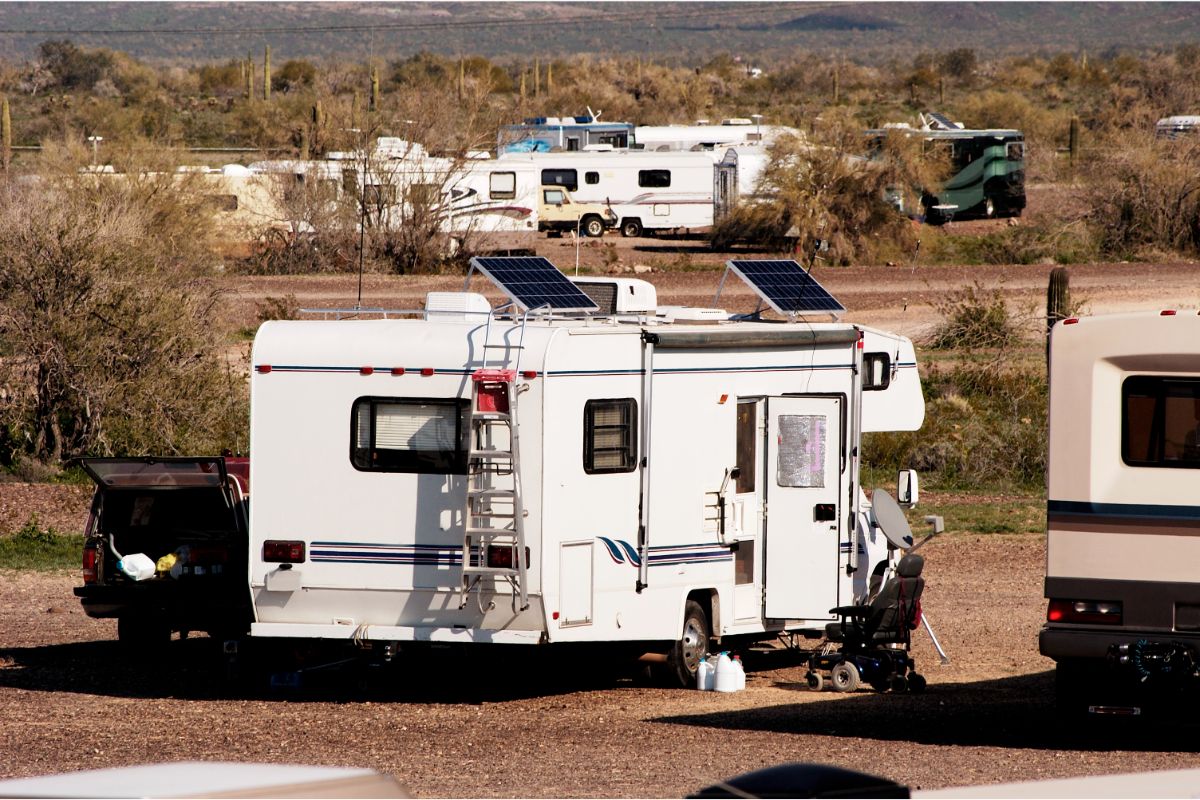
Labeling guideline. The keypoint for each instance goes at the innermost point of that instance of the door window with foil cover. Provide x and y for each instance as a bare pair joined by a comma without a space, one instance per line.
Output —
409,435
801,450
1160,422
610,436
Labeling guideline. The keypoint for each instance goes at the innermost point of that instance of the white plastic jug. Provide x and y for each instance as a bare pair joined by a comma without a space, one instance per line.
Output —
704,675
726,674
741,672
138,566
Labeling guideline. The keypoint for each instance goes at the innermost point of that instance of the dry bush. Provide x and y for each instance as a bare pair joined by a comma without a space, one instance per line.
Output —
974,317
105,317
822,191
1144,196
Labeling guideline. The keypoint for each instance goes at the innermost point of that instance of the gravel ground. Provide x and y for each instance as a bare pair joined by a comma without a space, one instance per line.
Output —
520,724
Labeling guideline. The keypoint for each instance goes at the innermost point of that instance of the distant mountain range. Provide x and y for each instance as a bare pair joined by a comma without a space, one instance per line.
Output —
683,33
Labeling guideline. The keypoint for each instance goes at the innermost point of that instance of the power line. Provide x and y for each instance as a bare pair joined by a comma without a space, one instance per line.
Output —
604,18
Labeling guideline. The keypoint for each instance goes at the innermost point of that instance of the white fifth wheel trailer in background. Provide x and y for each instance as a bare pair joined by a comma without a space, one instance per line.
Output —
647,191
1123,510
658,480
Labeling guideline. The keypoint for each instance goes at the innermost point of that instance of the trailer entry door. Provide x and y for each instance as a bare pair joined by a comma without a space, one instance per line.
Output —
803,494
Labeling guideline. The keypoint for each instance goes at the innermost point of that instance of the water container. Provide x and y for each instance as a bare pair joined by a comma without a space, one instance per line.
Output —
704,675
741,672
138,566
726,674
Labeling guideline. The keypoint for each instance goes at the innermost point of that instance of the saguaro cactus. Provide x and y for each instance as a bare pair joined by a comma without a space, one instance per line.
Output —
375,88
249,79
550,77
267,73
1058,301
6,134
1073,140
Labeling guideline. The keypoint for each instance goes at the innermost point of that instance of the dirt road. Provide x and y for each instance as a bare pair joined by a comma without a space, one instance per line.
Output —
517,725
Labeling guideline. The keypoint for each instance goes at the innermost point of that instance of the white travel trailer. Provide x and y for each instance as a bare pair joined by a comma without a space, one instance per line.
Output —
728,133
1123,514
619,475
647,191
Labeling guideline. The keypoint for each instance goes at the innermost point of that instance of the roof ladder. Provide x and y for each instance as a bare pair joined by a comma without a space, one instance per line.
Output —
494,533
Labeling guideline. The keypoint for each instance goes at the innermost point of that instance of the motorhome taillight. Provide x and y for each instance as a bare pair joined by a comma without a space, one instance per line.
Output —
89,562
1085,612
500,556
1167,312
492,397
1071,321
283,552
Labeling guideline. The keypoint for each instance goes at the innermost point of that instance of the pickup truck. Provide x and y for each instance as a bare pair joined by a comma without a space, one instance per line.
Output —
559,212
166,547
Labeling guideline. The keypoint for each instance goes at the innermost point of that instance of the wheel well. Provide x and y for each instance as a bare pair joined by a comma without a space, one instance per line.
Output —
710,601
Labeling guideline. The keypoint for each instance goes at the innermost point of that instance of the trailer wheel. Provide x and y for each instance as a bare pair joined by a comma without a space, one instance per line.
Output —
592,226
684,658
845,677
631,228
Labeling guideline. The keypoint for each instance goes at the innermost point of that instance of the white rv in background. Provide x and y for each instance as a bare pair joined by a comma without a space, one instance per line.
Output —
678,479
647,191
1123,508
729,133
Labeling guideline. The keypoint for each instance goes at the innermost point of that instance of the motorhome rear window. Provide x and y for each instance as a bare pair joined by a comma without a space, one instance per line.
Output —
654,178
502,186
409,435
1160,422
567,178
609,436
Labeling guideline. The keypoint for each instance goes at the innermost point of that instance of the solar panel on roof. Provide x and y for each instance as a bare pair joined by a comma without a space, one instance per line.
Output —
786,286
533,282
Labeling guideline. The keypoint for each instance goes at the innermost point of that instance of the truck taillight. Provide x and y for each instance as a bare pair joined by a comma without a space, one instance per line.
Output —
500,556
283,552
1086,612
89,562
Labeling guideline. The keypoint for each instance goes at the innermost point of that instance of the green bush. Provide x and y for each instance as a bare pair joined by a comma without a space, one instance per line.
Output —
35,548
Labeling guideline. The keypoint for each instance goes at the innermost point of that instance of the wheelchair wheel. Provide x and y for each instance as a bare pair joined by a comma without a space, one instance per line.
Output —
815,681
916,683
899,684
845,677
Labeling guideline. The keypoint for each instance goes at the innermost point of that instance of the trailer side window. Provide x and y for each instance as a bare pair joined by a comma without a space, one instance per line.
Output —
408,435
502,185
877,372
610,436
746,445
1160,422
801,451
591,178
567,178
654,178
1015,151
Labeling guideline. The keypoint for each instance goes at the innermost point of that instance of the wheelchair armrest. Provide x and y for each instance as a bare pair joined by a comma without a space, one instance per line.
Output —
851,611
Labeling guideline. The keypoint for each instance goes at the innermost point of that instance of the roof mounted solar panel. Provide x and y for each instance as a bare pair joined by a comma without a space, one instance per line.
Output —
533,283
786,287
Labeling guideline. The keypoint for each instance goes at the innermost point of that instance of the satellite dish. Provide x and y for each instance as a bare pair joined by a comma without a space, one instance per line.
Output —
891,520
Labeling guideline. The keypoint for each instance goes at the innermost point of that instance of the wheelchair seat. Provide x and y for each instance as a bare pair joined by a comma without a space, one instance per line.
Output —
890,616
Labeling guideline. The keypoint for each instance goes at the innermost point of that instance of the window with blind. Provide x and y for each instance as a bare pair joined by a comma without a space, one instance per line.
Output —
409,435
609,436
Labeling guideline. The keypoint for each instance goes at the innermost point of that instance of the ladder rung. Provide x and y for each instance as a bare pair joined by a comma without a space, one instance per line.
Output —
491,416
491,493
490,454
489,571
492,532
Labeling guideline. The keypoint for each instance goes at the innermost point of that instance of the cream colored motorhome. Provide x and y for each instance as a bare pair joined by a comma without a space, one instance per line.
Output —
1123,521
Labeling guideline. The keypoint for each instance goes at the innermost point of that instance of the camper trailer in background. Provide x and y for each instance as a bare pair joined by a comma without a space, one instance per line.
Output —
611,472
1123,509
548,134
647,191
1177,126
729,133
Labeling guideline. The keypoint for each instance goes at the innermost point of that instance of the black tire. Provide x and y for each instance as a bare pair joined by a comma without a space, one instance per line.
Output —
685,654
592,226
916,683
143,633
815,681
899,684
631,228
844,677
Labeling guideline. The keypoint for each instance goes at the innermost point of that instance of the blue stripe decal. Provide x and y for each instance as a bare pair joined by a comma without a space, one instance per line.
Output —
1072,508
614,552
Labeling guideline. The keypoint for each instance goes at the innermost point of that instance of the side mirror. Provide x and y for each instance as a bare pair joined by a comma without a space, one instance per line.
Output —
906,488
735,473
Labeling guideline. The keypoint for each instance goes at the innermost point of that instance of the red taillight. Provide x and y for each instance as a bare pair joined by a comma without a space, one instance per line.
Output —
1167,312
1070,320
493,397
1085,612
89,563
283,552
501,556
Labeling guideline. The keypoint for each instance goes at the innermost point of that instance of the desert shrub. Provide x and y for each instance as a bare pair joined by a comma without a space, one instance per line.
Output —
985,427
973,317
106,311
35,547
1041,240
1144,196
